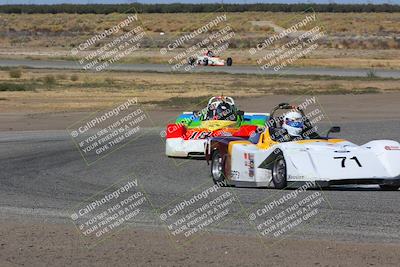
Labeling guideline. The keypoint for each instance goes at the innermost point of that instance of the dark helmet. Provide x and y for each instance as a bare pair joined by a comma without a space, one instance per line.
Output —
225,112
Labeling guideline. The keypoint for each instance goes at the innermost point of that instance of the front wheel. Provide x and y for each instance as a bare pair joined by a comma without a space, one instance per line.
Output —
388,187
229,61
279,172
217,168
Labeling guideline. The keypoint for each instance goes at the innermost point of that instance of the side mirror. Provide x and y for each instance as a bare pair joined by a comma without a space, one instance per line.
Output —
333,129
283,105
240,112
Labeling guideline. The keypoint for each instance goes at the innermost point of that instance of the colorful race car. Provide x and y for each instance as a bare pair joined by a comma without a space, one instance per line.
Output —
209,59
187,136
266,161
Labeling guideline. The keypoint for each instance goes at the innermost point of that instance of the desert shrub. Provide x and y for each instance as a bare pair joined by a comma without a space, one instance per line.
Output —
109,80
15,73
74,77
61,76
49,79
15,87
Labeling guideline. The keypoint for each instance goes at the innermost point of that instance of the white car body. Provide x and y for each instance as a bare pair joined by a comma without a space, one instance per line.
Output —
324,161
211,61
179,147
205,60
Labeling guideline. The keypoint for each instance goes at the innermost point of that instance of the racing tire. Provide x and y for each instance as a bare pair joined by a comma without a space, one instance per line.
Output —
191,61
279,173
229,61
217,168
388,187
205,62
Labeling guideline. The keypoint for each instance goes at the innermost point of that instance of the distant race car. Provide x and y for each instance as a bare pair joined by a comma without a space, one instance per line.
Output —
209,59
263,161
188,135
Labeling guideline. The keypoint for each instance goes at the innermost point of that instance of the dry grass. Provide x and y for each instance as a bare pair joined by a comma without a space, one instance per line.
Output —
345,23
353,39
93,90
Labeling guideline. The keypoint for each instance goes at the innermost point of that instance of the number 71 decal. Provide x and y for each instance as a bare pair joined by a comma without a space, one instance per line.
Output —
344,161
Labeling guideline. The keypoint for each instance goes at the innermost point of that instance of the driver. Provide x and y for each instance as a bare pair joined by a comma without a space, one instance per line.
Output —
210,53
292,127
224,111
293,123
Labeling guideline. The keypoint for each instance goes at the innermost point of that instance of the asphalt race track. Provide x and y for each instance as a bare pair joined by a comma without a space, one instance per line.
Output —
342,72
43,175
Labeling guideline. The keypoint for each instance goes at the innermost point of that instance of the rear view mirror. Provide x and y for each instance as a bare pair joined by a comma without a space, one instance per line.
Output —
284,105
333,129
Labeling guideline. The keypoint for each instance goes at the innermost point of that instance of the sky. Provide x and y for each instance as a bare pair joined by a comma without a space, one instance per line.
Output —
3,2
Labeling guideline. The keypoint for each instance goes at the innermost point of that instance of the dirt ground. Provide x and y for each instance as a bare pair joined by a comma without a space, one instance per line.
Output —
56,91
45,244
340,108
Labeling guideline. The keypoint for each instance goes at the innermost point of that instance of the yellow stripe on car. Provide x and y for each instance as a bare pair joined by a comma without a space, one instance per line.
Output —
241,142
216,125
265,140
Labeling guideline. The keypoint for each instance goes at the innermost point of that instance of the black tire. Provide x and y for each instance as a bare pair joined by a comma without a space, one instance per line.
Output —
191,61
388,187
279,173
205,61
217,168
229,61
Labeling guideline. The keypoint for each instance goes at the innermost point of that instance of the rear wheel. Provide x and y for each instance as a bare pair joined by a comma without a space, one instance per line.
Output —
191,61
205,61
279,172
388,187
229,61
217,167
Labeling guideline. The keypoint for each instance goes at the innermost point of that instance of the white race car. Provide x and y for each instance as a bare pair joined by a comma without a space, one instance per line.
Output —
209,59
324,161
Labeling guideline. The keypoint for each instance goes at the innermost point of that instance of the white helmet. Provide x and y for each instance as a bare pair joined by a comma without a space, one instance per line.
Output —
293,123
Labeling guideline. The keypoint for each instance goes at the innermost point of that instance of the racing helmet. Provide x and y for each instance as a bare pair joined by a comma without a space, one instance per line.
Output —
225,111
293,123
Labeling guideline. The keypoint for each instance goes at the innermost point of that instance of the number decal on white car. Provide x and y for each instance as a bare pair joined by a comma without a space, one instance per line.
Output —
352,158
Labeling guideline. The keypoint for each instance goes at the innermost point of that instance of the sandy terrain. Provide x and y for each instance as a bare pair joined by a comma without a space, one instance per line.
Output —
42,244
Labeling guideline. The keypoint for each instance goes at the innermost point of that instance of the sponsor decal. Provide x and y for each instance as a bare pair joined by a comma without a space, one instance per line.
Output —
198,134
296,177
225,134
392,148
204,134
235,175
249,162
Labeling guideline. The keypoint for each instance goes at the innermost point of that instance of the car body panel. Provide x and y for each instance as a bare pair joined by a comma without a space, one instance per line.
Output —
183,145
326,161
